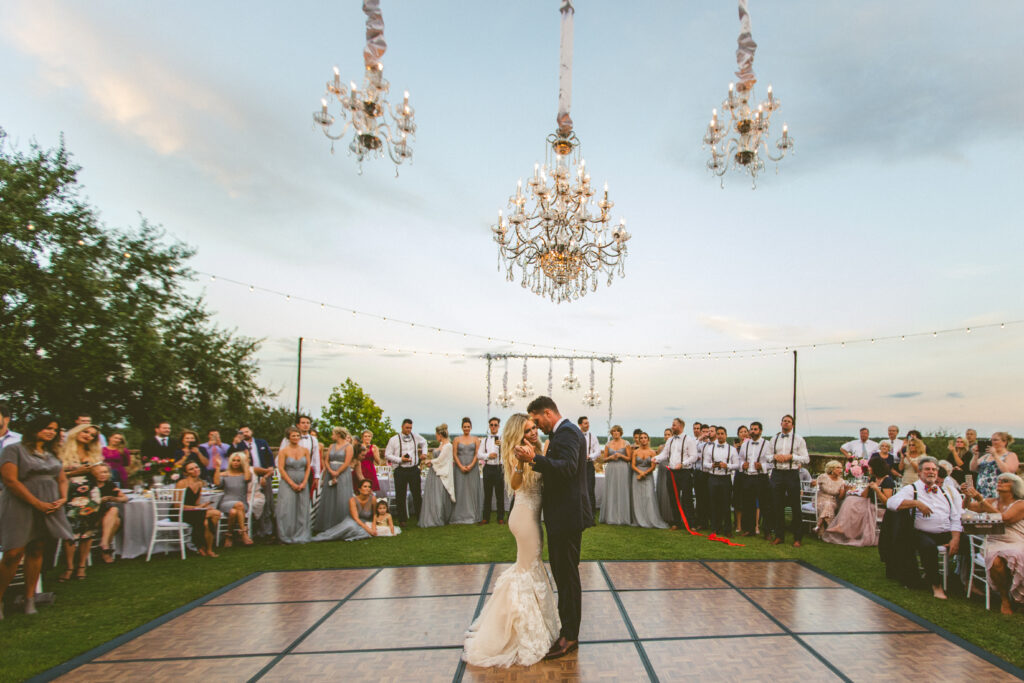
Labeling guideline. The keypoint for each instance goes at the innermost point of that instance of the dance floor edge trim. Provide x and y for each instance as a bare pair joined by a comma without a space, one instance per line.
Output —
93,654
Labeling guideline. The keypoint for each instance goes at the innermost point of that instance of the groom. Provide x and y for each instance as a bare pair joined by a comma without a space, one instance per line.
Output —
565,502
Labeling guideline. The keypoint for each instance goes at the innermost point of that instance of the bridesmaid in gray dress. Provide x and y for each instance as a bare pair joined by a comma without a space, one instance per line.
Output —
337,487
617,458
469,487
645,507
234,504
293,505
663,485
437,498
359,523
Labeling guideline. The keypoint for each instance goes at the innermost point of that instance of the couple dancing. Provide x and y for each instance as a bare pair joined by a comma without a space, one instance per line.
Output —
519,623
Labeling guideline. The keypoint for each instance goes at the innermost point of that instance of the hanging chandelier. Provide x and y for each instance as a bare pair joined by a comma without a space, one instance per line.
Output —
571,382
742,142
524,389
367,111
505,399
591,397
556,234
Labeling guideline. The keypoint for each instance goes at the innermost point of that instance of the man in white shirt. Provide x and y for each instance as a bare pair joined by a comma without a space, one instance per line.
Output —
862,448
593,453
309,442
936,519
755,488
895,443
7,437
403,452
701,492
489,453
679,456
789,454
720,461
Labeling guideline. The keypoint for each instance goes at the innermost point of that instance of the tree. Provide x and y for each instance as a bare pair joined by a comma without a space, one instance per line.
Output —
350,407
95,319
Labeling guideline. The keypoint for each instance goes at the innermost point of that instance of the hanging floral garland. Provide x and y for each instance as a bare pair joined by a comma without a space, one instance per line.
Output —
592,398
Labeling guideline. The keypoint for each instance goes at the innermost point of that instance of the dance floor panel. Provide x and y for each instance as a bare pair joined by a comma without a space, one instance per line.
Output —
642,621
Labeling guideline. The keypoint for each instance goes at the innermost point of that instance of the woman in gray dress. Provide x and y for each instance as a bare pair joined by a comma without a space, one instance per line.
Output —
337,481
469,487
234,503
645,506
359,523
617,457
292,509
663,484
31,504
438,489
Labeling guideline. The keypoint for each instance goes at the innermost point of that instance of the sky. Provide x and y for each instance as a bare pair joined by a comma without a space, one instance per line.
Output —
895,215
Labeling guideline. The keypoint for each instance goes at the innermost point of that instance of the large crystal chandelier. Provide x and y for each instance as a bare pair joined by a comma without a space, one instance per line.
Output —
367,111
556,234
743,142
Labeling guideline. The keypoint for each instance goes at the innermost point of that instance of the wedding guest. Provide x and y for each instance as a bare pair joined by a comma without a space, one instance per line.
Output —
487,453
936,520
856,523
701,484
31,504
914,450
680,457
754,484
789,454
383,522
85,419
991,464
311,444
971,435
885,454
189,452
439,486
203,517
912,433
720,461
159,445
645,506
698,430
468,490
7,436
616,456
369,460
235,481
80,452
831,491
895,443
337,488
118,458
261,461
404,451
862,447
663,485
742,434
293,504
960,455
1004,553
593,453
359,523
215,451
111,498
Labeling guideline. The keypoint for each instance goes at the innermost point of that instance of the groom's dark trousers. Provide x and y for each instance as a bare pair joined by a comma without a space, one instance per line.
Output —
564,554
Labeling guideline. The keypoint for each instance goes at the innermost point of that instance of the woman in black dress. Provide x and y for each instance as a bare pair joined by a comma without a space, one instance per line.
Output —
202,516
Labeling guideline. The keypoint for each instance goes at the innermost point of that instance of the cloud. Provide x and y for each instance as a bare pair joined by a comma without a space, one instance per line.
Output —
745,330
955,394
903,394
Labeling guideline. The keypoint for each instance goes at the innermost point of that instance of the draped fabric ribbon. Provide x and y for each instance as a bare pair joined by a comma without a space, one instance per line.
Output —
565,69
686,523
745,48
375,45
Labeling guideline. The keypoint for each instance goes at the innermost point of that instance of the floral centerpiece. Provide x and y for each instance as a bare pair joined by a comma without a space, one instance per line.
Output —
156,469
855,468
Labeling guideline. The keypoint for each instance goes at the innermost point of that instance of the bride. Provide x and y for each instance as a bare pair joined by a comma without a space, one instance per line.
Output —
519,621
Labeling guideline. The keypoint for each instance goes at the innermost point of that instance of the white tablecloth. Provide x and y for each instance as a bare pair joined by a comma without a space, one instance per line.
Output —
137,525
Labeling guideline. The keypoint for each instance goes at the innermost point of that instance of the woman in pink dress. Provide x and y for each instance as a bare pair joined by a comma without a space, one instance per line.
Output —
118,458
1004,554
369,459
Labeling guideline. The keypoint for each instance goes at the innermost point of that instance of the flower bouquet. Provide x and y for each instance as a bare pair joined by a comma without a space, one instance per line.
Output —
856,468
156,469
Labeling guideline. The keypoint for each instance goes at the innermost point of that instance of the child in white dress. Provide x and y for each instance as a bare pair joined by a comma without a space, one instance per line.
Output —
383,522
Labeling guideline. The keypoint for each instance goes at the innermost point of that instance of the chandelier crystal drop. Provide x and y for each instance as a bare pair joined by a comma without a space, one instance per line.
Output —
524,389
377,126
741,143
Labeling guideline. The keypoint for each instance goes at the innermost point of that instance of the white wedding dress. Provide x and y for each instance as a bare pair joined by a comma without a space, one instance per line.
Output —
519,621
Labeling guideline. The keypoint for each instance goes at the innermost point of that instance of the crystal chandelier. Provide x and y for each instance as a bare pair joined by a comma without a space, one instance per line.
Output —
505,399
571,382
556,234
743,142
524,389
591,397
367,111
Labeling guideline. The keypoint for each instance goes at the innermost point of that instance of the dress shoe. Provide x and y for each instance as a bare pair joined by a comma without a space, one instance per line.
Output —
481,522
776,541
564,648
797,544
501,521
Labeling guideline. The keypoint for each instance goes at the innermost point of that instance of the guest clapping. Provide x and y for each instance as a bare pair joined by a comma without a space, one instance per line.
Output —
202,516
109,514
235,481
1004,554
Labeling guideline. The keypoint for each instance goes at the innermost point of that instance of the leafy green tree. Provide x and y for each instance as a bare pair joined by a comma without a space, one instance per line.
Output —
352,408
95,319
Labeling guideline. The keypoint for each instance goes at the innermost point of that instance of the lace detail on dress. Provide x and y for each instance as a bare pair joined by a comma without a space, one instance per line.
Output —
529,495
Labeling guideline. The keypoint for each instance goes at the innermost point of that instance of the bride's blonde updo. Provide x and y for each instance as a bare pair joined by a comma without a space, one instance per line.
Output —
442,430
511,437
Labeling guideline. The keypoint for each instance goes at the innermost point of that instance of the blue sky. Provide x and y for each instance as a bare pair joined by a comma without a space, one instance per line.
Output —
896,214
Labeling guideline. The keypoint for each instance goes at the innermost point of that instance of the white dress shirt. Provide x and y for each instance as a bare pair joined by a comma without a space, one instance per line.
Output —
680,451
593,446
490,450
756,452
895,446
945,513
412,445
786,444
861,449
721,452
313,446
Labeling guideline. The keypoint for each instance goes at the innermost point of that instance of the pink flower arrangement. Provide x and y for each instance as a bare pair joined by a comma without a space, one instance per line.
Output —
855,467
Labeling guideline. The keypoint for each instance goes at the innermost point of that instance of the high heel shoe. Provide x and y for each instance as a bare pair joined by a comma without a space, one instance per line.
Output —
80,574
65,576
30,605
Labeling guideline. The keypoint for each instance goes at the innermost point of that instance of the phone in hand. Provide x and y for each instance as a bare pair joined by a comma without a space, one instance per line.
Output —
969,480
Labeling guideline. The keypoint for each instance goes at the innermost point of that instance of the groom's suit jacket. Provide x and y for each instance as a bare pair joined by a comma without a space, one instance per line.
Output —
565,499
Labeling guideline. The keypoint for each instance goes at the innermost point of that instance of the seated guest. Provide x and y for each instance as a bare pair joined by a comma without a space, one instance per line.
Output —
189,452
202,516
111,498
359,524
914,450
947,482
886,454
1004,555
856,522
862,448
235,482
831,490
382,521
118,458
936,519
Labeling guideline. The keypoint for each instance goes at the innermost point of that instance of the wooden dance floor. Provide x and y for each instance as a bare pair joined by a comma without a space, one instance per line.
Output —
706,621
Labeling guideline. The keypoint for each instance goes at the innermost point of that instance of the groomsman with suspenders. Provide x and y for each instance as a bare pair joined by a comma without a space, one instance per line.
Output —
702,508
720,461
755,488
680,457
489,454
789,453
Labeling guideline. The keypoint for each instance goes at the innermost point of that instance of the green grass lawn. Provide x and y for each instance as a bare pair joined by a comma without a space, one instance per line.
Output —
117,598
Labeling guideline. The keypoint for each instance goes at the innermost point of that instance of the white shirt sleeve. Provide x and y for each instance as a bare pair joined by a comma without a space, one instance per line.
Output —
800,454
905,493
734,459
595,447
393,451
422,444
689,452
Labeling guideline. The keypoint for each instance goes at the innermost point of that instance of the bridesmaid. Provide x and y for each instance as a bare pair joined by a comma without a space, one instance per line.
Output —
438,489
368,464
234,481
118,458
469,488
645,507
359,523
337,488
617,457
663,484
292,509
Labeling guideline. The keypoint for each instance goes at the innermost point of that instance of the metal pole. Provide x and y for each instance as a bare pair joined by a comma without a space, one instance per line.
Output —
794,388
298,384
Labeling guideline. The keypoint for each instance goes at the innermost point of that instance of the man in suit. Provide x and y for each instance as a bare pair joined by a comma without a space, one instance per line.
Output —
567,512
261,459
159,445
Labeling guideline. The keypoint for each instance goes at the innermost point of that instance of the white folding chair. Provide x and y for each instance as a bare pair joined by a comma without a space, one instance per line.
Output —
979,571
944,565
168,512
809,506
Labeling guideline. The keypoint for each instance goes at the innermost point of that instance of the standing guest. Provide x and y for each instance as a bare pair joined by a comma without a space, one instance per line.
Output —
913,433
383,522
85,419
359,523
914,450
487,453
742,435
960,455
118,458
7,437
159,445
293,505
991,464
439,487
645,506
617,456
789,454
972,440
215,451
720,461
701,490
698,430
358,457
593,453
203,517
663,486
80,452
856,523
189,452
109,514
468,491
885,454
831,491
403,452
895,443
755,487
369,459
936,520
31,504
235,481
679,457
337,488
1004,553
308,441
261,460
862,447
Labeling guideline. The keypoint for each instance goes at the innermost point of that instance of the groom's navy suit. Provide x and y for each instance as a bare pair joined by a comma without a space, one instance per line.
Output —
567,512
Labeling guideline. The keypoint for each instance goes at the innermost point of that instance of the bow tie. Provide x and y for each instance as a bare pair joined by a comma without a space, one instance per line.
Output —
931,489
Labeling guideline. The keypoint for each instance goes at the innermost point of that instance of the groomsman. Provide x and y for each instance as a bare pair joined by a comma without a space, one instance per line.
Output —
593,453
720,461
702,509
680,455
403,452
489,454
261,459
789,453
756,490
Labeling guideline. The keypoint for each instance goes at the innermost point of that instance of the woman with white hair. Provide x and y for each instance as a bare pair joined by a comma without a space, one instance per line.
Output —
1004,556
